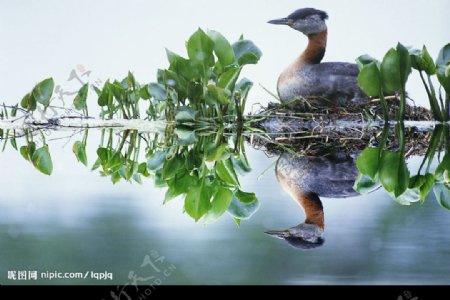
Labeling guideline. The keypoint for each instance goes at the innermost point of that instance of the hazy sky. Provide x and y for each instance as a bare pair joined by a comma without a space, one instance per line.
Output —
50,37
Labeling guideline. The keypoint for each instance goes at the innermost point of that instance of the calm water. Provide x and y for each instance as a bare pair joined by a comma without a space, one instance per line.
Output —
77,221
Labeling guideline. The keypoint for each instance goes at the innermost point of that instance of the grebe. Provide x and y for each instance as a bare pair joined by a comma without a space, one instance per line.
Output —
330,83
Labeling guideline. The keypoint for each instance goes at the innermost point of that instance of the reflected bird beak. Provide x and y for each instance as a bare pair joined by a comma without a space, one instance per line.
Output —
281,234
282,21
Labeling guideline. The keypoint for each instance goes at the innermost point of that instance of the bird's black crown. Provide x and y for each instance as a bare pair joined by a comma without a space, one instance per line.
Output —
304,12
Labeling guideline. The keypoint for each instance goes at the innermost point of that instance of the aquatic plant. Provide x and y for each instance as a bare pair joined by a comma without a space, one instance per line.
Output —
390,76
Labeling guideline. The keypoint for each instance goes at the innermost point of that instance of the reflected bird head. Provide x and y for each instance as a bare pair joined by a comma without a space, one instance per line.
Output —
303,236
306,20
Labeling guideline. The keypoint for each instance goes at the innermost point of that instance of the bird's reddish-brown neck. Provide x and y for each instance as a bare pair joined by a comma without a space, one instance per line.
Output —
315,50
313,209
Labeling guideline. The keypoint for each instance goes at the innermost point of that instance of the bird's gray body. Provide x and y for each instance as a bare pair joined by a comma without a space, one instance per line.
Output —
324,176
335,81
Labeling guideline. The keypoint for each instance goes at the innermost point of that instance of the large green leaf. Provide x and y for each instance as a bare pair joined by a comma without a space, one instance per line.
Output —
197,202
393,172
219,205
369,79
200,49
442,63
390,69
395,69
42,160
368,162
79,149
222,48
43,91
246,52
80,99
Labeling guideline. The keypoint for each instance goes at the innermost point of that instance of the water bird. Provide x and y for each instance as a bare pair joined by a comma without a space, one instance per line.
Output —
329,83
306,179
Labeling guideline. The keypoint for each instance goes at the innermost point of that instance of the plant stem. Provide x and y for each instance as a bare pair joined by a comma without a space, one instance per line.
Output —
385,107
433,101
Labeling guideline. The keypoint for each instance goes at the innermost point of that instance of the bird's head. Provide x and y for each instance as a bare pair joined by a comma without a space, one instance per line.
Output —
304,236
306,20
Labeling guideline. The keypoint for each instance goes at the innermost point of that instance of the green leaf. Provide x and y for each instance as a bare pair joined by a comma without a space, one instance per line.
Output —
28,102
404,63
368,161
227,80
185,114
80,100
172,167
369,79
390,72
219,205
217,95
364,60
246,52
200,49
240,210
422,61
142,169
43,91
79,149
214,153
423,183
442,63
393,173
106,95
442,193
197,202
157,91
407,197
245,197
42,161
156,160
365,184
28,151
222,48
225,171
190,70
185,136
443,168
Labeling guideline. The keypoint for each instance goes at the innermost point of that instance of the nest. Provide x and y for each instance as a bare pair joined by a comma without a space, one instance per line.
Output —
322,131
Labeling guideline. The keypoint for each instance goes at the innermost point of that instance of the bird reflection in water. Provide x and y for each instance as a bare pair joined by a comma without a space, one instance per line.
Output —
306,179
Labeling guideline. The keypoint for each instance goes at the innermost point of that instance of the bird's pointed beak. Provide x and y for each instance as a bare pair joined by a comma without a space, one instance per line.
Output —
281,234
282,21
